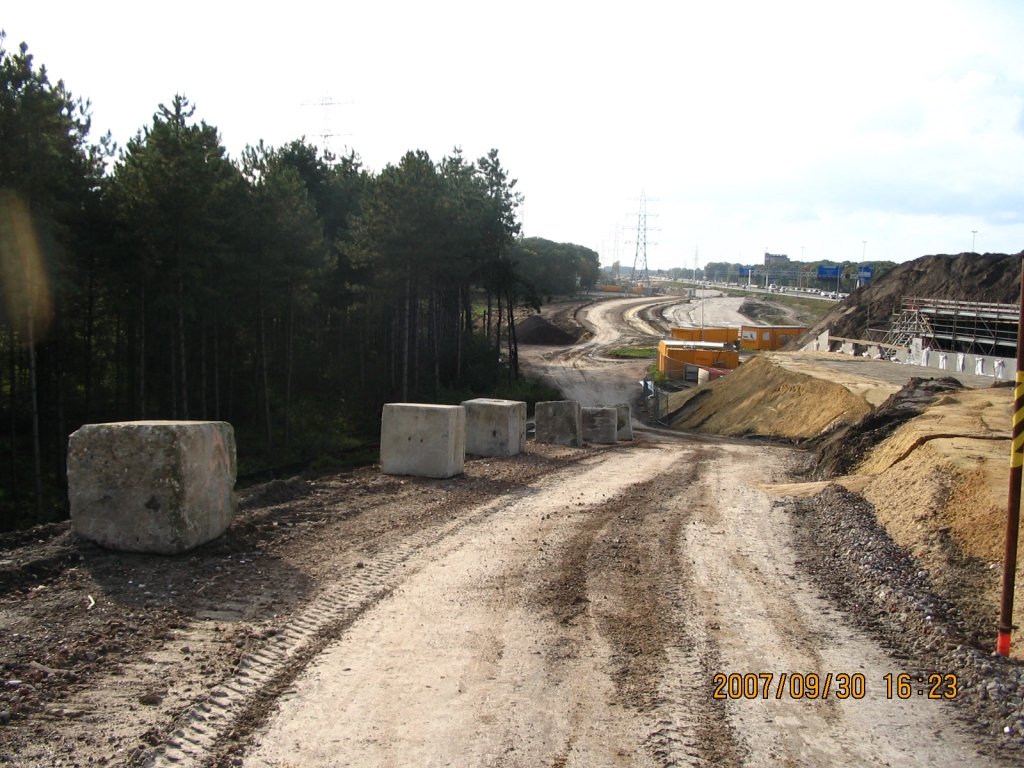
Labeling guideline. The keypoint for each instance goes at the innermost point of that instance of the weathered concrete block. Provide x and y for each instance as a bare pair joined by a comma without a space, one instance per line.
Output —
152,486
624,423
559,422
600,425
495,427
423,440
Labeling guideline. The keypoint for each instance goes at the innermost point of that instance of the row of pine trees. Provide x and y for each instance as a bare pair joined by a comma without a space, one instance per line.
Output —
289,291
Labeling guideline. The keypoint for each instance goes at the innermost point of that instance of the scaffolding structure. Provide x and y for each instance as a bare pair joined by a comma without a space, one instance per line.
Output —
956,326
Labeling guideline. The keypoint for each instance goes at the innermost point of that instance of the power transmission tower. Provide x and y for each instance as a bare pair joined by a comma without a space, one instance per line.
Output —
640,259
327,102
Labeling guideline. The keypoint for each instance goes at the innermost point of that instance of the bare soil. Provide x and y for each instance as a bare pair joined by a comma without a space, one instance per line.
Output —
563,607
132,641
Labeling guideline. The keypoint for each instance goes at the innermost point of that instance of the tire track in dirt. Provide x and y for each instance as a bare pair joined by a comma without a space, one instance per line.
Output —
215,728
622,574
484,657
768,617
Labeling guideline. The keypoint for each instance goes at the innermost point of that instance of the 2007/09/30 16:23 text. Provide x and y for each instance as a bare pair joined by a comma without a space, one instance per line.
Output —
841,685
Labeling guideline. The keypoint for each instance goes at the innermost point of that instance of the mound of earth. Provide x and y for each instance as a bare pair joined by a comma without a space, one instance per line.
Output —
847,446
536,330
993,277
763,312
762,399
938,484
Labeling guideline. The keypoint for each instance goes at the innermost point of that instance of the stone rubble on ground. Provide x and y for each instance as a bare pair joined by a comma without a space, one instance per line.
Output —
886,591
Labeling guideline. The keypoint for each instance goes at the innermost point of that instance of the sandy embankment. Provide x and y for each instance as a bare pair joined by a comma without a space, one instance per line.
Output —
938,483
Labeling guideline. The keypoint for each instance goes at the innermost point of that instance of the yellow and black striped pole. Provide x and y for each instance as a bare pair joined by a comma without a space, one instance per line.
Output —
1013,508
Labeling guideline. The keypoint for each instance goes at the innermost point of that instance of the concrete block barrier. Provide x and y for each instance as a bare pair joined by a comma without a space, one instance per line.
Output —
559,422
600,425
160,487
495,427
423,440
624,422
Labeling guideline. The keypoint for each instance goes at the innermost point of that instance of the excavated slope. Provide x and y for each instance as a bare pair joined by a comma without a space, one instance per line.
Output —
939,486
991,277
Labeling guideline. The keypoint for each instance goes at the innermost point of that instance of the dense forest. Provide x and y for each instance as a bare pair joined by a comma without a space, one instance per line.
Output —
289,291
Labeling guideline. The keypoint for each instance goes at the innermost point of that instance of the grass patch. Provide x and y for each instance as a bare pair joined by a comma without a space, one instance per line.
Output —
632,353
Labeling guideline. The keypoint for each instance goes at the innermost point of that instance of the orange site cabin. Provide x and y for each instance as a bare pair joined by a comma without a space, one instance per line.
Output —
768,336
719,334
674,355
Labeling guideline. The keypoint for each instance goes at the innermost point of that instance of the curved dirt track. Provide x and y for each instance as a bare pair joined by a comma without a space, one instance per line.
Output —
715,309
581,372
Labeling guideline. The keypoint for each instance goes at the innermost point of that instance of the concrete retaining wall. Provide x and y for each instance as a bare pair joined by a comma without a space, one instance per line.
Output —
495,427
423,440
999,368
160,487
559,422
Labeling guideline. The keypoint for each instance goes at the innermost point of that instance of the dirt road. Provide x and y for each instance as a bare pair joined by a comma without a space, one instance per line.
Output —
563,607
582,372
582,624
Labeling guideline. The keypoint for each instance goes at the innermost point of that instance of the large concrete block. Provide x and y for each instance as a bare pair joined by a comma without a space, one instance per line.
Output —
152,486
600,425
495,427
423,440
559,422
624,423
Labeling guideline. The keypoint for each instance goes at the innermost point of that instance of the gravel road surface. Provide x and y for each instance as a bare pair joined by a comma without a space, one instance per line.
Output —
582,623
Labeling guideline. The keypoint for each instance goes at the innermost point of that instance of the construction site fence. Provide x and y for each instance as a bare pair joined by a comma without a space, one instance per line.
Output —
656,400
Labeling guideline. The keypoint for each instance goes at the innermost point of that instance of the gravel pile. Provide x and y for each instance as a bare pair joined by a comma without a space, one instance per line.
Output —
885,591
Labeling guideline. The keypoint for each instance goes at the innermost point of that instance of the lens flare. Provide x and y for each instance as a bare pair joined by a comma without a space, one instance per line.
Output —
23,279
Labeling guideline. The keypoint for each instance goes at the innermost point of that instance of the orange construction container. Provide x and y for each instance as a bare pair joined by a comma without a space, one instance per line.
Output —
720,334
674,356
768,336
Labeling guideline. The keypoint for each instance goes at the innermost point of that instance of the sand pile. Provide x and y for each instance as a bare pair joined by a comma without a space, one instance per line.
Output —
938,485
932,460
843,449
759,398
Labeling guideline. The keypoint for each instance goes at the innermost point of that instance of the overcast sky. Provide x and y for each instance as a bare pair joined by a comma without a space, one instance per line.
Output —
803,128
